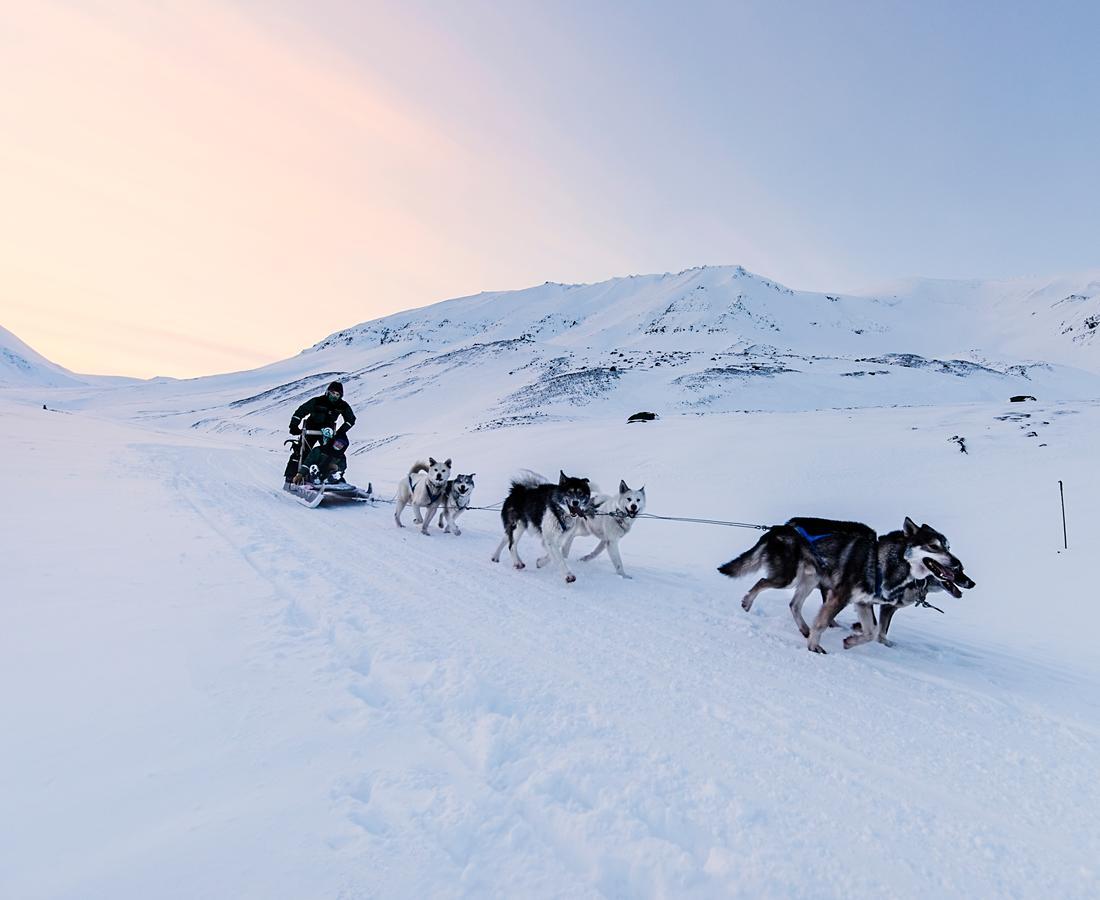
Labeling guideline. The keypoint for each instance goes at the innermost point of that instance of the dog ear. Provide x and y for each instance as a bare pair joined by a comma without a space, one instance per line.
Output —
447,463
431,461
622,487
585,480
641,490
561,477
910,527
471,475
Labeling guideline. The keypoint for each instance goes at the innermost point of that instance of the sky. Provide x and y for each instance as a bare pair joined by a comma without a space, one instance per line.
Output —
191,186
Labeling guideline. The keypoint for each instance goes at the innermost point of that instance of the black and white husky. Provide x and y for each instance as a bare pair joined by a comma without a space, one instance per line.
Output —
849,563
553,510
422,489
609,519
456,500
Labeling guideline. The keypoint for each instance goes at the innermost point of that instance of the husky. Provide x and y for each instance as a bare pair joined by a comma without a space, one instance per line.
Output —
848,563
456,500
553,510
423,490
609,519
896,569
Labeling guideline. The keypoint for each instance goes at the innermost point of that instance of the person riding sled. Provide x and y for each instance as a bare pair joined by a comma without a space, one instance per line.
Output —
326,462
322,412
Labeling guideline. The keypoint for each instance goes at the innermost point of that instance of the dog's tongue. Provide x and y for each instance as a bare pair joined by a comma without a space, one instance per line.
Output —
943,575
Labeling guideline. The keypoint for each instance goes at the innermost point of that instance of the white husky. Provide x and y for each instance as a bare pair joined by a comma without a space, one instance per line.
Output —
610,519
423,490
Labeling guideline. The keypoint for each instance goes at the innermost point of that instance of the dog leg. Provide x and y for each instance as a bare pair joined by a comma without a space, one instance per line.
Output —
513,540
868,631
762,585
452,521
588,557
554,549
500,548
398,508
428,517
835,601
802,590
542,561
885,615
567,544
616,560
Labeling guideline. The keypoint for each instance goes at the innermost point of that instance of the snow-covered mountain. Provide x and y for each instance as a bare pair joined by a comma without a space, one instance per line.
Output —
709,339
20,366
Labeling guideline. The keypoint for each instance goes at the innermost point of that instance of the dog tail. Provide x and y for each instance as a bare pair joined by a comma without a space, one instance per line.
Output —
528,479
749,561
418,466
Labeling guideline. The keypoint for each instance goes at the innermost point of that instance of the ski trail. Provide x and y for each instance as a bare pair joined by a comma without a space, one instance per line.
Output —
644,737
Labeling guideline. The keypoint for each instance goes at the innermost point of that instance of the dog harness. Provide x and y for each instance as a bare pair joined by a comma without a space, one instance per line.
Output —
812,539
427,487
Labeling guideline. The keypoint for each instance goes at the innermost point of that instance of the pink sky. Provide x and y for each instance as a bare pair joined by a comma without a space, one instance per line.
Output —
199,186
188,192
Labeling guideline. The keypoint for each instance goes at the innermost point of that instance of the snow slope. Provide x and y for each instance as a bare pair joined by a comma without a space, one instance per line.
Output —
211,691
22,367
715,339
215,692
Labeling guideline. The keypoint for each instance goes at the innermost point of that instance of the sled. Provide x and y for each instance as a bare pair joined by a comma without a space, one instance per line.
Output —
313,494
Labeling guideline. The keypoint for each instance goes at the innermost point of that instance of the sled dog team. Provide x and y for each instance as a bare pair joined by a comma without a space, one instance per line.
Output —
847,562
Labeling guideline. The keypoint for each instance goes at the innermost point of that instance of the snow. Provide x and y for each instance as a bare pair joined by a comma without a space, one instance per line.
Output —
212,691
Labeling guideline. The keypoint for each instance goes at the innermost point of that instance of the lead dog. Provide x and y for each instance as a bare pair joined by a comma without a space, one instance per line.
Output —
848,563
423,490
553,510
456,500
609,519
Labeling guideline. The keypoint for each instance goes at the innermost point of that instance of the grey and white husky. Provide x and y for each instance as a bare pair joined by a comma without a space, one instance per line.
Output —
553,510
456,500
849,563
609,519
422,489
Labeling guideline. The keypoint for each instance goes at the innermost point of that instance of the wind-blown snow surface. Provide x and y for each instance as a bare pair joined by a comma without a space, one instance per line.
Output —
211,691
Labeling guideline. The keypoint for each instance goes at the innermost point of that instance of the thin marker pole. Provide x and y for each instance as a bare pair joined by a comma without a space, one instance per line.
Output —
1062,494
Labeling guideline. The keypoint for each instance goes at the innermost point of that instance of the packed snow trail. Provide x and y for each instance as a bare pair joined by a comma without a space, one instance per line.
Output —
218,692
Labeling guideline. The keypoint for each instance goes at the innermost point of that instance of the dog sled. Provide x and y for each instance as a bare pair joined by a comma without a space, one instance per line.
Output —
316,487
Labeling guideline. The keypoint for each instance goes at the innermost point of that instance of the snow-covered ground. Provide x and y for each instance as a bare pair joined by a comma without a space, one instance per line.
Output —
210,691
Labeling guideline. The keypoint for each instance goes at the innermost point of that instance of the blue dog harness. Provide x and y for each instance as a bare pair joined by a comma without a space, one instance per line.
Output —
812,539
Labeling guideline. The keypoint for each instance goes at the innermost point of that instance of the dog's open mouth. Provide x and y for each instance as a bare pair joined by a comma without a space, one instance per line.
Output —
945,576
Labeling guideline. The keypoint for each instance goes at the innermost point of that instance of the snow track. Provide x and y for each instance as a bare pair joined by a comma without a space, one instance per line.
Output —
394,715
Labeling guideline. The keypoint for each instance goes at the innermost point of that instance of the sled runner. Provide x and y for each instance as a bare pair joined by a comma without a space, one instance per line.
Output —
312,495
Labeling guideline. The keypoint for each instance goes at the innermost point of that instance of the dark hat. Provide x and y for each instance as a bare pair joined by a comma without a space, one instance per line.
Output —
336,387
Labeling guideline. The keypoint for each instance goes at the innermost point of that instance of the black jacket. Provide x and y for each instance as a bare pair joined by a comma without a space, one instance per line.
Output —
322,413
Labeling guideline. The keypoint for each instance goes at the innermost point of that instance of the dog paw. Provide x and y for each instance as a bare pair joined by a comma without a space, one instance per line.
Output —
520,565
816,648
541,561
624,575
424,531
456,532
886,642
570,578
746,605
